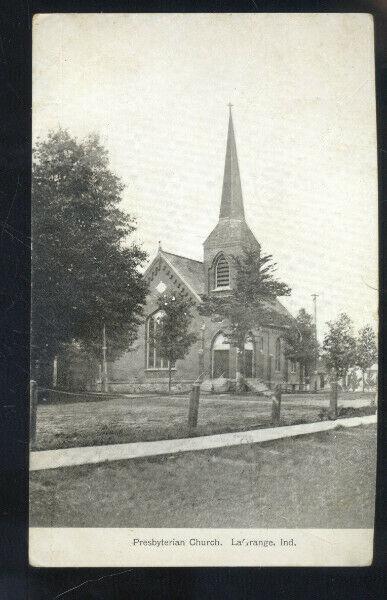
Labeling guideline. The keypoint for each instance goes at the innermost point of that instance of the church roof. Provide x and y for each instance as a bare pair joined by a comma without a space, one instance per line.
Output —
278,315
191,271
231,206
230,231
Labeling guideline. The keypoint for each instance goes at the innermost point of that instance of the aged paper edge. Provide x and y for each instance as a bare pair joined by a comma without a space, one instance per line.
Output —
110,547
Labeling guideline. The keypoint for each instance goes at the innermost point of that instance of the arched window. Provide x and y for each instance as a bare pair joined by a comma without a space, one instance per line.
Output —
222,273
153,361
278,355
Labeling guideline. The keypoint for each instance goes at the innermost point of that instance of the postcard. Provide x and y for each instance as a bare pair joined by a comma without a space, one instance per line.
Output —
204,359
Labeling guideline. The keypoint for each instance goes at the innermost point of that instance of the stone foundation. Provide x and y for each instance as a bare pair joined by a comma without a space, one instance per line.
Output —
156,386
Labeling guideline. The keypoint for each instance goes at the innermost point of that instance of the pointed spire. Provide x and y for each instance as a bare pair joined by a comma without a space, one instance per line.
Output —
232,202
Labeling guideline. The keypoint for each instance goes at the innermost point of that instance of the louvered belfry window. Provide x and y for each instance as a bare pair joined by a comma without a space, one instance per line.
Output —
222,273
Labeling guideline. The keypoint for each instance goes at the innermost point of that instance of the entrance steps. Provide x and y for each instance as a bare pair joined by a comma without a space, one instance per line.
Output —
217,386
258,387
222,385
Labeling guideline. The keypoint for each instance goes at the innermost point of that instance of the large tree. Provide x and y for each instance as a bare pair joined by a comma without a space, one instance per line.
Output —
301,343
339,346
250,302
172,335
85,269
366,350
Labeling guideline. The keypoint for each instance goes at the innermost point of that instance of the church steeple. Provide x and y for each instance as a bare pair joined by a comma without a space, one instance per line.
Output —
231,235
231,206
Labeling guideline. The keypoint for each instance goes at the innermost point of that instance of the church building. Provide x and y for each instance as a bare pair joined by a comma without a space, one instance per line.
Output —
212,358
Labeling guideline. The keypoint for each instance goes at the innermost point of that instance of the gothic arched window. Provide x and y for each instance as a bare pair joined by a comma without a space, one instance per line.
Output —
222,273
278,355
153,360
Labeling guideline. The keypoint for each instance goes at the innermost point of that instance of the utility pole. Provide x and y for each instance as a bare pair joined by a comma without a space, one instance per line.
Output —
104,362
315,296
201,354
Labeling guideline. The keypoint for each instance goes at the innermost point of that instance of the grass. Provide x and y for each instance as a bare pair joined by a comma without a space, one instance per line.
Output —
322,480
125,419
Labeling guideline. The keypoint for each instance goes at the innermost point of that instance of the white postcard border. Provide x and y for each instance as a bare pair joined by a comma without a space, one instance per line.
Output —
125,547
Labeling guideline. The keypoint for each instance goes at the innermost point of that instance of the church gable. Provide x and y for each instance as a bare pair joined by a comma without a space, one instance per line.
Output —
190,271
170,272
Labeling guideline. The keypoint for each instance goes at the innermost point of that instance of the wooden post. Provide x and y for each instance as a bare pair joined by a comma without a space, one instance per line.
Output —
194,406
333,400
269,371
374,398
201,353
33,409
301,384
105,385
276,406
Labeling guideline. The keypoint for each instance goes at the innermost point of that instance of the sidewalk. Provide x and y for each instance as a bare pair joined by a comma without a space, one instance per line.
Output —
69,457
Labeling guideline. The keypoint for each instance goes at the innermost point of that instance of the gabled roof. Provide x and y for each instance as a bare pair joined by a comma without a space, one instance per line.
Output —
191,271
274,314
191,274
280,308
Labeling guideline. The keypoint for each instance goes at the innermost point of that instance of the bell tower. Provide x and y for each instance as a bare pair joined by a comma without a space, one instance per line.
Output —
231,234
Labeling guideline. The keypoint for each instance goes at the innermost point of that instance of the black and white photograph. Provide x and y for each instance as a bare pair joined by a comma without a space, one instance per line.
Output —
204,312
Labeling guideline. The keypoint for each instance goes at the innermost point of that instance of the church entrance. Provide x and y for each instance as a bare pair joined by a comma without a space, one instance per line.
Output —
220,358
248,363
249,358
221,364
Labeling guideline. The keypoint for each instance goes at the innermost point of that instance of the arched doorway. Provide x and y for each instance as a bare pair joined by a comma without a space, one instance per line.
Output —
249,359
220,357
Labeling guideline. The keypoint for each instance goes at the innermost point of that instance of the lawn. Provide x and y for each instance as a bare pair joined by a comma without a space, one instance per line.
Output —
322,480
129,419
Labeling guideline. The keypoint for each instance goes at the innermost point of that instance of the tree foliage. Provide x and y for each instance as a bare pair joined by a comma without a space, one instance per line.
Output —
301,344
366,350
84,271
339,345
251,300
172,335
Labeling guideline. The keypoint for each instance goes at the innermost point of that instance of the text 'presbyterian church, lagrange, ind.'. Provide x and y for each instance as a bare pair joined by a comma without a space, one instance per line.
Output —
211,357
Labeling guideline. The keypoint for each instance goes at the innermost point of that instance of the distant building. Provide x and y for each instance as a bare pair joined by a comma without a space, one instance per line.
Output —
212,356
354,379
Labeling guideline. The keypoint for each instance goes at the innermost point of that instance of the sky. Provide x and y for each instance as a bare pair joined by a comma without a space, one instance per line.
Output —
155,87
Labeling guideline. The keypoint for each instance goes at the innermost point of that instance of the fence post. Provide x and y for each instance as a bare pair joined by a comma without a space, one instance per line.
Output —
276,406
374,398
333,400
33,409
194,406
